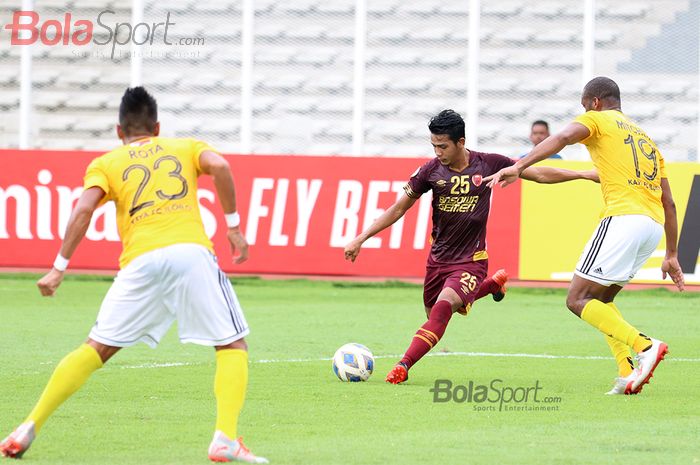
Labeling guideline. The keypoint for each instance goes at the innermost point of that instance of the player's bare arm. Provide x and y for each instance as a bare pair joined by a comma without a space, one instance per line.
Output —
571,134
389,217
75,231
218,168
549,175
670,265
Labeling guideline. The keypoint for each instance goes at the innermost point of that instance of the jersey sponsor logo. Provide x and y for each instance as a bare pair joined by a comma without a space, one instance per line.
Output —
477,179
441,183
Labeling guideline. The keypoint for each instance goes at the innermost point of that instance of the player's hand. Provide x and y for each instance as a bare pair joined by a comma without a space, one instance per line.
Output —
504,177
352,250
671,267
591,175
49,282
238,242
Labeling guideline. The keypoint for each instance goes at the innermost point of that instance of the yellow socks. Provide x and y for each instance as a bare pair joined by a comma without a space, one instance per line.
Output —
230,385
602,317
620,351
69,375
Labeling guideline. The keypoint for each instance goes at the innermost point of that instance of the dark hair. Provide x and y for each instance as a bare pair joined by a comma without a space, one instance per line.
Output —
540,122
138,111
447,122
604,88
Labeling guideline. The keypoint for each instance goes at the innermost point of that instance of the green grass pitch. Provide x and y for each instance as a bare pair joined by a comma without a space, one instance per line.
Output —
157,406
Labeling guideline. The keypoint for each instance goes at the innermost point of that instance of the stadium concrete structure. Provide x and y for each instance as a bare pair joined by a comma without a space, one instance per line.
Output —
416,61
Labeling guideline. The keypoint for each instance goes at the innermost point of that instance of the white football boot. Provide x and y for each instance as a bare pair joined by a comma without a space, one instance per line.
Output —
623,384
224,449
17,443
647,362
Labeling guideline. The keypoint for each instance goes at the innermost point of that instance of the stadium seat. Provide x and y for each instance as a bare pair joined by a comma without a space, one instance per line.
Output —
49,100
668,88
56,123
96,124
514,35
420,9
506,110
642,111
443,59
493,58
175,102
86,101
381,8
212,103
284,83
278,56
376,82
547,10
223,126
394,34
302,105
621,11
545,86
453,9
531,59
330,83
558,37
9,77
559,110
662,135
685,113
502,9
337,105
498,85
296,8
316,57
452,86
393,57
415,83
337,7
309,32
569,61
83,78
605,37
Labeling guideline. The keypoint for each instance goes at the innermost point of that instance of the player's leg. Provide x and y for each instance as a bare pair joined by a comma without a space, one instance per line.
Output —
620,350
209,313
494,286
456,294
70,374
614,254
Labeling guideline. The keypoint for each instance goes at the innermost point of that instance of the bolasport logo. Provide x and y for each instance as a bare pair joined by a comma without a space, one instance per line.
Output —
28,27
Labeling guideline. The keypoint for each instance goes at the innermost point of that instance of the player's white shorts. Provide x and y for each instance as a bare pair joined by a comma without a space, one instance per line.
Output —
181,281
618,249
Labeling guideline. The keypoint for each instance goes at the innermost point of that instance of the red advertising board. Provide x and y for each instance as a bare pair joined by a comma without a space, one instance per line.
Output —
297,212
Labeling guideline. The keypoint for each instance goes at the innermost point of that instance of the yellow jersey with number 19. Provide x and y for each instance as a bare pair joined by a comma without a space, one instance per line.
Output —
629,164
153,182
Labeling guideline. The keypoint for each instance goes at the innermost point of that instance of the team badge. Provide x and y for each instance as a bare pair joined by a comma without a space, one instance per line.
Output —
476,179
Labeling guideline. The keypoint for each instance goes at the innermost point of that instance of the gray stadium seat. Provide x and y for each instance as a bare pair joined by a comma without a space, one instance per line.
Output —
545,86
443,59
49,100
500,85
337,7
501,9
56,123
330,83
505,110
86,101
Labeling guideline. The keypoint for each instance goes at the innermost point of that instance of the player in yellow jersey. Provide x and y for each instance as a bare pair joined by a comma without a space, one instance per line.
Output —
638,209
168,269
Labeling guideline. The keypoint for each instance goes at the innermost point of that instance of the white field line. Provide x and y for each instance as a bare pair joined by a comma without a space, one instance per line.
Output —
436,354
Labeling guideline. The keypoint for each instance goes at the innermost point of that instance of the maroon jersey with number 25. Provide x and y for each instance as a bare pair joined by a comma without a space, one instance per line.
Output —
461,204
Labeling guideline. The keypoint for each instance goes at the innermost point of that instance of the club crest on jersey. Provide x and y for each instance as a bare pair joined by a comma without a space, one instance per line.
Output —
476,179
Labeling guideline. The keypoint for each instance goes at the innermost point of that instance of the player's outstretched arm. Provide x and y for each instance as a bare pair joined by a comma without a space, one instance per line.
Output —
386,219
549,175
218,168
75,231
571,134
670,265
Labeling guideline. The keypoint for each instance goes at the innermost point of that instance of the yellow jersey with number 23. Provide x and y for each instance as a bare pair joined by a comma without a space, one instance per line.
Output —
628,162
153,182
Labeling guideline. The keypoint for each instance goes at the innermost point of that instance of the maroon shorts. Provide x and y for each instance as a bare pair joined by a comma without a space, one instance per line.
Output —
464,278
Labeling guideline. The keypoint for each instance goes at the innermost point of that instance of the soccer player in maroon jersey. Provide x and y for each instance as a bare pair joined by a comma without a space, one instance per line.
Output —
458,262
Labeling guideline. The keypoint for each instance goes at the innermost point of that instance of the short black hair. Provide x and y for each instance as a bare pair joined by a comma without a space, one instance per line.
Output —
448,122
604,88
540,122
138,111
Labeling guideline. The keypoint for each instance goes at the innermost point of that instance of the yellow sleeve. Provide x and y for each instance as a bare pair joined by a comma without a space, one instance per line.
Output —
96,176
198,147
588,119
662,166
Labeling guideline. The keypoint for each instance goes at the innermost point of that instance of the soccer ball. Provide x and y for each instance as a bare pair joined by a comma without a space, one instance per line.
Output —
353,362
